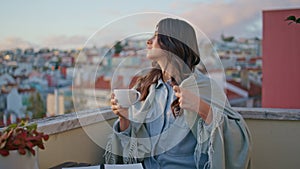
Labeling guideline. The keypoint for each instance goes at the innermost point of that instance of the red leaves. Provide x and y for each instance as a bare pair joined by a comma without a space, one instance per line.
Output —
4,152
22,151
41,146
32,151
17,142
29,145
21,137
46,137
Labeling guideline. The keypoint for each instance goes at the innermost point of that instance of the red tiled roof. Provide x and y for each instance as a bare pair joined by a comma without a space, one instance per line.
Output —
254,90
101,83
232,95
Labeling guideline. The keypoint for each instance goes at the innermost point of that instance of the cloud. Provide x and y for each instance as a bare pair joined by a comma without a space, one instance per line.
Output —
57,41
15,42
64,42
235,17
240,18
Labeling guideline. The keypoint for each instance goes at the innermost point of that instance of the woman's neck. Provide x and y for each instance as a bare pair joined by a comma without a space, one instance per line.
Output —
169,71
166,76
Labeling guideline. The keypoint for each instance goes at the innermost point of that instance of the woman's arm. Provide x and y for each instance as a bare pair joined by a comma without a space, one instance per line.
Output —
121,112
124,123
205,111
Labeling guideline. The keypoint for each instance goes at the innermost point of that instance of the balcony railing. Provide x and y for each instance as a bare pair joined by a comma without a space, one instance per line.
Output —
79,137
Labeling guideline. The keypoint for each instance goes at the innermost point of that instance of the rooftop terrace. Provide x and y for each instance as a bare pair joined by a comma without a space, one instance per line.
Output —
275,133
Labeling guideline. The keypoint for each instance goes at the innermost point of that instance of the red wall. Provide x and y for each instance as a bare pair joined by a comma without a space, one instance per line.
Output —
281,60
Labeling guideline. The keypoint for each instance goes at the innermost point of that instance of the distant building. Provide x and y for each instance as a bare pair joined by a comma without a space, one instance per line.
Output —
55,104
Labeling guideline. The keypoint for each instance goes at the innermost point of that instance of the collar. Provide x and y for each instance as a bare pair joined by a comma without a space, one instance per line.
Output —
159,83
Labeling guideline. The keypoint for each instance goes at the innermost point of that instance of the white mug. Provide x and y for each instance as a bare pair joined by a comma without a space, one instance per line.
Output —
127,97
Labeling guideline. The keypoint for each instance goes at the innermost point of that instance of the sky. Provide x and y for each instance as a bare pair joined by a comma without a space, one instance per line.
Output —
70,23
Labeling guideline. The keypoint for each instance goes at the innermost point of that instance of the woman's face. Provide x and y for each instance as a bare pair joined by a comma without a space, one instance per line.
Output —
154,50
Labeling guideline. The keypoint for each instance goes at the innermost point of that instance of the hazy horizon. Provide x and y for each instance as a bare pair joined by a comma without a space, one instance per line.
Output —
68,24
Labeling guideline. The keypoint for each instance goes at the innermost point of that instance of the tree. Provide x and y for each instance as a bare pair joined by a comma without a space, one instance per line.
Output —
36,106
293,19
118,47
227,39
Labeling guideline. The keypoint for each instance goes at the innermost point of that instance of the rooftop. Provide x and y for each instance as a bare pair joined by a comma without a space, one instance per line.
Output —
80,137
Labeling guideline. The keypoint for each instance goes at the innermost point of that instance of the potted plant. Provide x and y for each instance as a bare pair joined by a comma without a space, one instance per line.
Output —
18,145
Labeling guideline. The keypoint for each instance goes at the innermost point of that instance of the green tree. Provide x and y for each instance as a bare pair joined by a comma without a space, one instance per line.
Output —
118,47
36,106
292,19
227,39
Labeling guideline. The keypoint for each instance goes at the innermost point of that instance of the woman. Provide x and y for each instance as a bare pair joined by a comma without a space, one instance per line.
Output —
183,119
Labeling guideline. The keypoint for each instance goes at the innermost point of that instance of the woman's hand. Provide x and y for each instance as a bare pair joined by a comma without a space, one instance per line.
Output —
121,112
192,102
187,100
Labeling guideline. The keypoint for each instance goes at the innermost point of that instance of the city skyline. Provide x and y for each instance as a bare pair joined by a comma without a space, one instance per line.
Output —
68,24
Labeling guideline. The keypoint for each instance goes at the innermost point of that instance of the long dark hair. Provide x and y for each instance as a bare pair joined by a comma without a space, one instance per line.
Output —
178,38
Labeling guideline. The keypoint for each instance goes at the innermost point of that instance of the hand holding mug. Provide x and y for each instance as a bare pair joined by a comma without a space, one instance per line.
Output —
121,99
117,109
127,97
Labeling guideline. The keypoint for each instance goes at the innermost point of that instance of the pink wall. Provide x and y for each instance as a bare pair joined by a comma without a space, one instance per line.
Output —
281,60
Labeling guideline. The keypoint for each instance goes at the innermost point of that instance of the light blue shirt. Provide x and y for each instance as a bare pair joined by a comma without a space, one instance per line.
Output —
180,156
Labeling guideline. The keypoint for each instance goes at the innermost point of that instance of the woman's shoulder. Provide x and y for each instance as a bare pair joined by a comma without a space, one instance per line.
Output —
200,76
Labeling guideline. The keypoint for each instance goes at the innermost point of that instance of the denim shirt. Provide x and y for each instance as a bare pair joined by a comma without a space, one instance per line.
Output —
181,156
